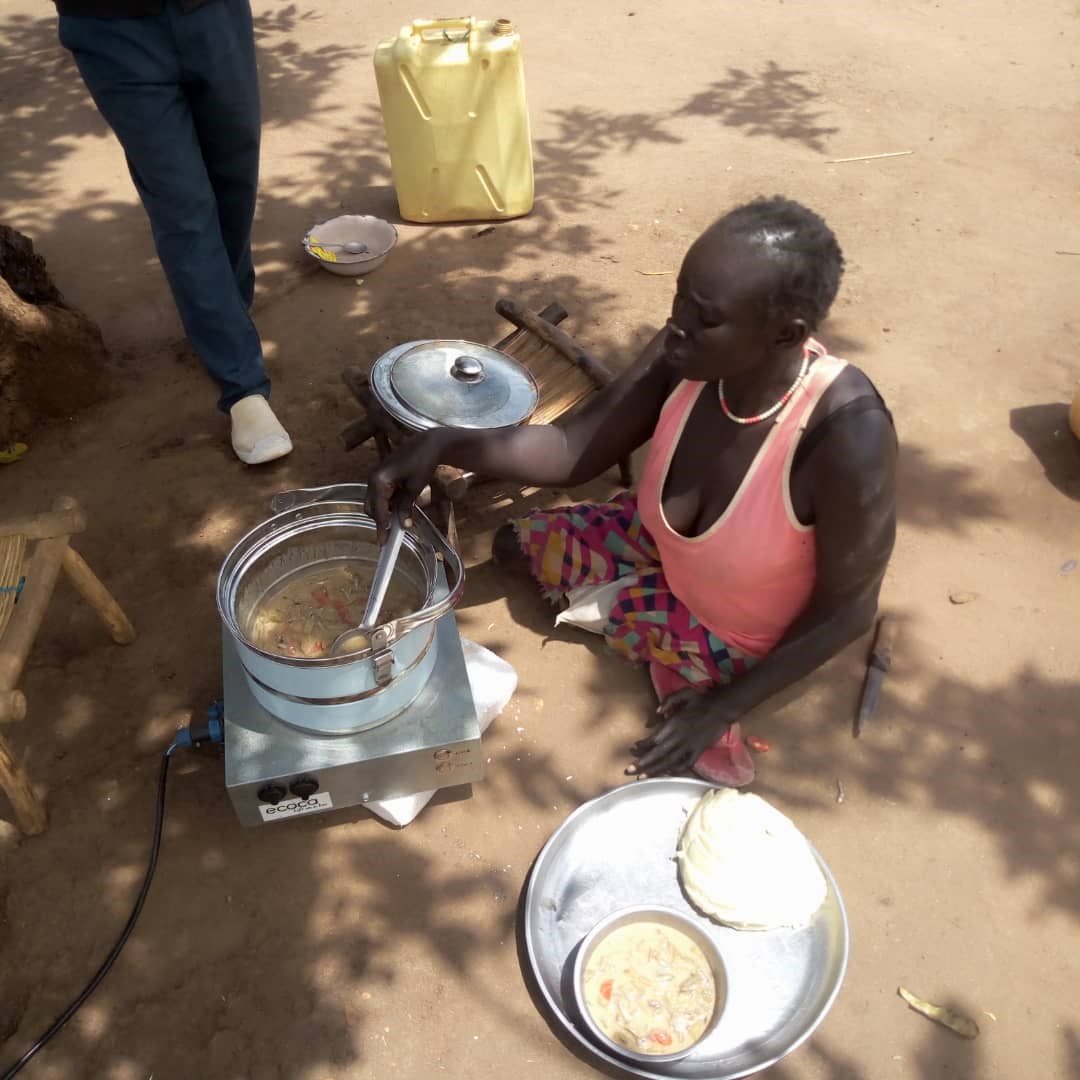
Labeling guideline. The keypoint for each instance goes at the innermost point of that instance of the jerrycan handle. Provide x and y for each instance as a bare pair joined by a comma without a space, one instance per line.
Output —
443,31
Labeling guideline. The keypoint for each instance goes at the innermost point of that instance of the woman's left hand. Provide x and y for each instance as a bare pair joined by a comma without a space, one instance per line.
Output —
690,722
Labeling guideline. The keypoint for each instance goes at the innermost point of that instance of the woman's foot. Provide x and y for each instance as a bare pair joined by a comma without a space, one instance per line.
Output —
257,434
505,547
506,553
727,762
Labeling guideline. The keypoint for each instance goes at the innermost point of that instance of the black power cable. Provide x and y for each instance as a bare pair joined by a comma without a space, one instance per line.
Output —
114,952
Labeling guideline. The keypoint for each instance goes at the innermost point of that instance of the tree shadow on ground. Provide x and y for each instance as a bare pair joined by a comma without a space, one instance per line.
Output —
569,184
293,79
775,102
941,1054
1045,429
46,107
940,496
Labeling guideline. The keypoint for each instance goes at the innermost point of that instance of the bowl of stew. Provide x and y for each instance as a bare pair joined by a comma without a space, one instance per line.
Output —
649,984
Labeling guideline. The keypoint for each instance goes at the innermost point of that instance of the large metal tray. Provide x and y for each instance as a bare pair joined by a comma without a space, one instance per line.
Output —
618,850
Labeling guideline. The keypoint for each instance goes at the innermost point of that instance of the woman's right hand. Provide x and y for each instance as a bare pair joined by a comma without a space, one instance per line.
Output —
408,468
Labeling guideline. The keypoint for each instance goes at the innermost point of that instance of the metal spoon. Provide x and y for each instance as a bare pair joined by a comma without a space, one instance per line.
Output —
352,247
359,637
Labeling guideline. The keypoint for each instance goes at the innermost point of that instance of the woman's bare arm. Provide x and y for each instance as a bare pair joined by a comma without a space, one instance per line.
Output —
612,424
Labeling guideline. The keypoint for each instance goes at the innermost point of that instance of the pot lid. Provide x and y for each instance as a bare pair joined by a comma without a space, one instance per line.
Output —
445,383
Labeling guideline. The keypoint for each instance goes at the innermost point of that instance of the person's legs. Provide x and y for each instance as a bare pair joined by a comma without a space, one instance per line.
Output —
132,68
217,51
506,550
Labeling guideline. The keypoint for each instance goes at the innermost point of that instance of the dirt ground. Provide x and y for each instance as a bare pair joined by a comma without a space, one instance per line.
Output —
338,947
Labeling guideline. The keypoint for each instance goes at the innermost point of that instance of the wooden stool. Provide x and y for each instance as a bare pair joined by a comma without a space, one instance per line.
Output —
26,586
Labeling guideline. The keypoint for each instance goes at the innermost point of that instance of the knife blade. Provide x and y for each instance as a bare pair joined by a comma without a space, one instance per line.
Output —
877,669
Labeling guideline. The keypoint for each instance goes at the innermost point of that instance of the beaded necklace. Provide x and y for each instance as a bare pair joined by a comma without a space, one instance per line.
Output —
770,411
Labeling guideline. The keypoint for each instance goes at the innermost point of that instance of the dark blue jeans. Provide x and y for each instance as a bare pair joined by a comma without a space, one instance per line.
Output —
181,92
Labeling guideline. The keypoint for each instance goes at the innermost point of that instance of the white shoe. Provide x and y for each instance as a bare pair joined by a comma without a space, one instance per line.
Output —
257,434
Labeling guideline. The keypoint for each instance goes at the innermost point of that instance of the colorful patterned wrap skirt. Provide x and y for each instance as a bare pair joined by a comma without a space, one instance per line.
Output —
598,543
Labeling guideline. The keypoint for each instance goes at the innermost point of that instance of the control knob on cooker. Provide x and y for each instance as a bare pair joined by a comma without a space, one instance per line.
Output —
271,793
303,787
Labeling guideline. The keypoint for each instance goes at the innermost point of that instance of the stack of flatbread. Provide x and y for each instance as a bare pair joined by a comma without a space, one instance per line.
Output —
744,864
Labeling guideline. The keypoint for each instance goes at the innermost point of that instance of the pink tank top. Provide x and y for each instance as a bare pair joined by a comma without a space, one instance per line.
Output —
750,575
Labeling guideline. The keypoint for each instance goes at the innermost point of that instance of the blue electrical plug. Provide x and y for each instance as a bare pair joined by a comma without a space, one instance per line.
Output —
212,731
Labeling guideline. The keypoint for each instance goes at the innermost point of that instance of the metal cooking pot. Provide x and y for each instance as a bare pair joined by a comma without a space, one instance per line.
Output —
450,383
356,691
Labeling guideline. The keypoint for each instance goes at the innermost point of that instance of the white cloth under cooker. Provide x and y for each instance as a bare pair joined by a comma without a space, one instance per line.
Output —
493,682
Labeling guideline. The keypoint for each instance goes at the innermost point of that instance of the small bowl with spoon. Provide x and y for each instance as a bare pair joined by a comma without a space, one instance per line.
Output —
352,244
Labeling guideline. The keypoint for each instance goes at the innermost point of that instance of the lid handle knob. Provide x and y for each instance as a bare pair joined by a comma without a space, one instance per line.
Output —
467,369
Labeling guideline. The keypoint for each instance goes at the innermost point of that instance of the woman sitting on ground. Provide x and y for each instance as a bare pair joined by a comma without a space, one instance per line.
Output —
755,546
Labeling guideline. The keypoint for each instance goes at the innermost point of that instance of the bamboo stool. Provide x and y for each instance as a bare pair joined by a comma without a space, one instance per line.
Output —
566,375
26,586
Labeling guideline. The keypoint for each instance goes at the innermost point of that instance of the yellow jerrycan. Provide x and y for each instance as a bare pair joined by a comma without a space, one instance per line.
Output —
453,102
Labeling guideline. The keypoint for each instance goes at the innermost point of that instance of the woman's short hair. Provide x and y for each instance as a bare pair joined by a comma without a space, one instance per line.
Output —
803,248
